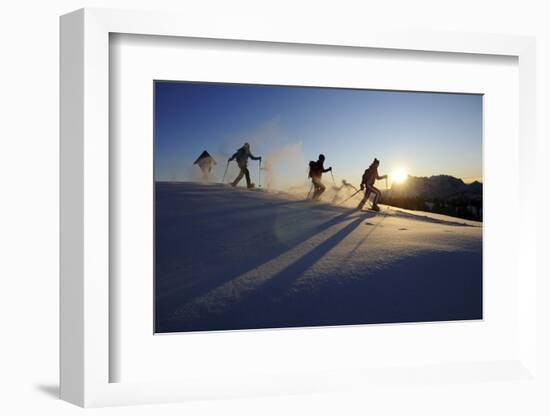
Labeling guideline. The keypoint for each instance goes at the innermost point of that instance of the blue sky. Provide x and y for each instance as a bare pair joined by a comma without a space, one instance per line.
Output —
424,133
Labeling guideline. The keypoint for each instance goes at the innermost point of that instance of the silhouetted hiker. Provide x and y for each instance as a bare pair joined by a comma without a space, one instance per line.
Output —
205,162
316,170
367,183
242,156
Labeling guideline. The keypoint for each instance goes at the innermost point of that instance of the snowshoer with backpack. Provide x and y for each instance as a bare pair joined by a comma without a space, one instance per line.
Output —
316,170
241,156
367,183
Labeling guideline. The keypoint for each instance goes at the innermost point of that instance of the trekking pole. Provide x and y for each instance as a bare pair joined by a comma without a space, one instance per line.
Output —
331,174
225,173
260,174
386,197
348,198
310,189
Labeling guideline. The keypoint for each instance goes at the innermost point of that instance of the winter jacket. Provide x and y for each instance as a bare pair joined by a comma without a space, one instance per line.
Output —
317,169
242,156
370,176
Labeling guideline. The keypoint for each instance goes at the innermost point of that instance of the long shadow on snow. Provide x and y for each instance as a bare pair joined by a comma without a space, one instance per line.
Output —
432,286
261,258
279,283
196,286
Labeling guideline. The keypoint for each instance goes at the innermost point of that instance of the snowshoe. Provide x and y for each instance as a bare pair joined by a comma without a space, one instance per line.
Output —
375,208
251,186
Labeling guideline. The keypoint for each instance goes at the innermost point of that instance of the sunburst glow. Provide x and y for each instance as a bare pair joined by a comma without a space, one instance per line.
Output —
399,176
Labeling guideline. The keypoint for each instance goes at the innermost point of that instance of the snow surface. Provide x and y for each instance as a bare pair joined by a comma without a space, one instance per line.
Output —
228,258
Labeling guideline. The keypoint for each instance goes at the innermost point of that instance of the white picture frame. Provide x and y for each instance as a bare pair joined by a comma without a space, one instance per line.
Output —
85,213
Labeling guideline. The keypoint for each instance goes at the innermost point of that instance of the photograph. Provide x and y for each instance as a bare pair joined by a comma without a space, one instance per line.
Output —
281,206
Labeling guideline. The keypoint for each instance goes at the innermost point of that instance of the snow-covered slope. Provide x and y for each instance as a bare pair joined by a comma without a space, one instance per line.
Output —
232,259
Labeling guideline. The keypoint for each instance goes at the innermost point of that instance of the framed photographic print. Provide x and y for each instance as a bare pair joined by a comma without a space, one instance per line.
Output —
267,211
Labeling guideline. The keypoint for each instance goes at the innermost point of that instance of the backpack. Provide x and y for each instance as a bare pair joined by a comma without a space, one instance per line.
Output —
312,168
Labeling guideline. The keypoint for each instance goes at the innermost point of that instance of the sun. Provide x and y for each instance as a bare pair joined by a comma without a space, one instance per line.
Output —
399,176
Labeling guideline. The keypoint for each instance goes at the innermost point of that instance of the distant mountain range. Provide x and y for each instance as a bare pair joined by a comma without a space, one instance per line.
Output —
443,194
440,186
